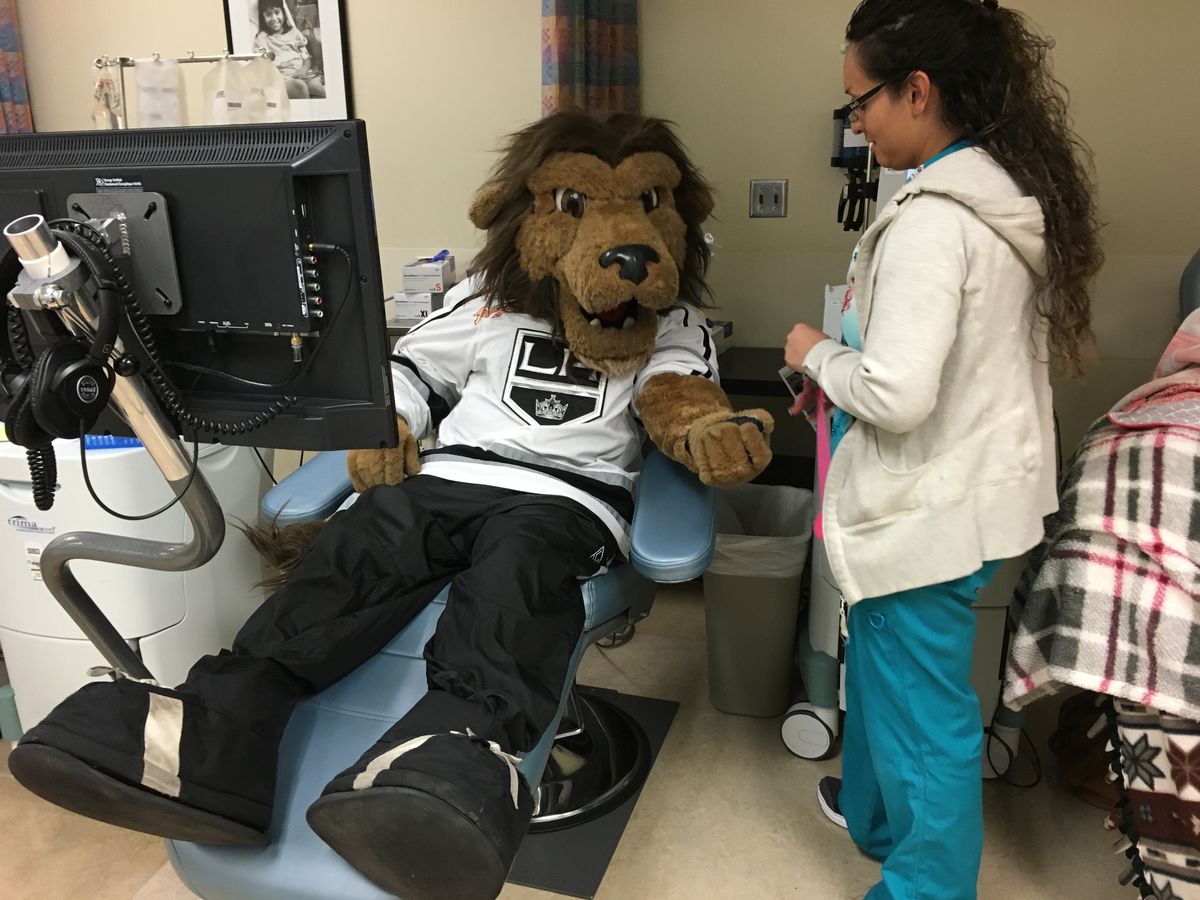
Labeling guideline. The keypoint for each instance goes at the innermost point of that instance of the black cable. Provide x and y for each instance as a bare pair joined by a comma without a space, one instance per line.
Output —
43,466
158,512
990,738
18,338
264,465
43,473
351,279
87,241
1037,760
205,371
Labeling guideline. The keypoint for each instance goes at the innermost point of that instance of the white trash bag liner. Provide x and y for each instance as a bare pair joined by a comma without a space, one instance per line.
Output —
763,531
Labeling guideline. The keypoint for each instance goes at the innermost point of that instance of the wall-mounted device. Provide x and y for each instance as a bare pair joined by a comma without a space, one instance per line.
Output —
852,154
868,186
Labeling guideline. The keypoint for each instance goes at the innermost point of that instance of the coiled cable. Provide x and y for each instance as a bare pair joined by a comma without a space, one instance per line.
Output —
43,472
43,466
90,246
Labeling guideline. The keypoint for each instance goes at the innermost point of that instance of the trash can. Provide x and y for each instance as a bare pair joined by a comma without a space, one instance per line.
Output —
752,596
10,723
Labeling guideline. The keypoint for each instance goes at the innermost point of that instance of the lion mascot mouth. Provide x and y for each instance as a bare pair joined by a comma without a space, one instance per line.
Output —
603,220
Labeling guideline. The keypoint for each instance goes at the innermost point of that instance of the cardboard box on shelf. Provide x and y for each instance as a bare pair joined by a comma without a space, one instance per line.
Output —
429,274
415,304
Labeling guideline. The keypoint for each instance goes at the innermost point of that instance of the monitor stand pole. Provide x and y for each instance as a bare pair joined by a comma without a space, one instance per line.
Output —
60,291
133,400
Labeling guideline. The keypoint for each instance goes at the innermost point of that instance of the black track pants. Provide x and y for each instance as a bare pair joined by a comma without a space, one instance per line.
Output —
498,659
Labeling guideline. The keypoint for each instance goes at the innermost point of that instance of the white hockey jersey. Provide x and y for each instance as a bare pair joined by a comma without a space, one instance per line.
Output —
512,407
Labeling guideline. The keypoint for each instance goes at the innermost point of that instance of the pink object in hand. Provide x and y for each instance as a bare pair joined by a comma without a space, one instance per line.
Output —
823,455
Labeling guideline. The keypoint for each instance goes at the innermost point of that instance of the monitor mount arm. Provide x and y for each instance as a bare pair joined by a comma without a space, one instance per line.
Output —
133,401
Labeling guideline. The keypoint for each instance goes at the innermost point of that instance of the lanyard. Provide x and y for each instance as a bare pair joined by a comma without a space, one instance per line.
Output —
953,148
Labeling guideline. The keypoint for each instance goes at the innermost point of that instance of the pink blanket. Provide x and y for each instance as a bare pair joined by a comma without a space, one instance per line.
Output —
1172,397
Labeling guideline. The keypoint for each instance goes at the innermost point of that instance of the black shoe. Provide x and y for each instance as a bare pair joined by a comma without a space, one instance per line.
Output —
827,795
440,821
89,756
74,785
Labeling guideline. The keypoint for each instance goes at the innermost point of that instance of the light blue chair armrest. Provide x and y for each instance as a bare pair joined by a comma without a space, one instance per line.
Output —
311,493
674,522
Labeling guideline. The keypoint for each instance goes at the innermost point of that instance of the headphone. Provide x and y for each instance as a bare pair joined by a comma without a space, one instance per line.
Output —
62,392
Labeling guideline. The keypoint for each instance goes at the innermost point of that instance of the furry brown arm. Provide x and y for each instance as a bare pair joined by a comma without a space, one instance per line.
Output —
691,420
391,465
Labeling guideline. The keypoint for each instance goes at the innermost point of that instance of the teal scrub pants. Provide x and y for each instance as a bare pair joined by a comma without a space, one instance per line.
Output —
911,778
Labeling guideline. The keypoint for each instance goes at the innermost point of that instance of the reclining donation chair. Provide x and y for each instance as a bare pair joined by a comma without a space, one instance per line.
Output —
590,760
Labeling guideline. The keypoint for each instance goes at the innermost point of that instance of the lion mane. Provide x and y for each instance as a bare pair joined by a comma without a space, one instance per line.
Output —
507,201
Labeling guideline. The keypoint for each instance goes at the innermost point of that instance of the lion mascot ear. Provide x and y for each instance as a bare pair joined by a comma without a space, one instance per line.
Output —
486,204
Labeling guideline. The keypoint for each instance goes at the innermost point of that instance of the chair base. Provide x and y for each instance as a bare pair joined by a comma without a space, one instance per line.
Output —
594,770
618,638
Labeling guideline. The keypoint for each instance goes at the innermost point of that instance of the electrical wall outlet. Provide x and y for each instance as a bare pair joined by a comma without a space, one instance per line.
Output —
768,199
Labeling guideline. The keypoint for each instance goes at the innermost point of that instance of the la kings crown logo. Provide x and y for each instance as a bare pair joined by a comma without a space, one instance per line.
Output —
546,385
552,409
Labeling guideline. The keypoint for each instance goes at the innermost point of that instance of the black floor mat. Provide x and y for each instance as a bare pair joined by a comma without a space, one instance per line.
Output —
573,861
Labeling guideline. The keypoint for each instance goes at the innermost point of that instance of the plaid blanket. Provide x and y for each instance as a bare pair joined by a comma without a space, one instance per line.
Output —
1109,601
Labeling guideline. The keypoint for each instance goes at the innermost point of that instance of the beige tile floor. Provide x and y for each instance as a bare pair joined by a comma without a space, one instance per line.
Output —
727,812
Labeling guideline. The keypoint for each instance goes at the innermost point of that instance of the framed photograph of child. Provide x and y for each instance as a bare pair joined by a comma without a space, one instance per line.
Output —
306,41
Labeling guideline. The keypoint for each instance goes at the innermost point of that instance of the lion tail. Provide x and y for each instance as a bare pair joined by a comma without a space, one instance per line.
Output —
281,548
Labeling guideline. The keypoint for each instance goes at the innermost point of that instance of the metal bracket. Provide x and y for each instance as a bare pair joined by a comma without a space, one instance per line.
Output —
48,293
134,221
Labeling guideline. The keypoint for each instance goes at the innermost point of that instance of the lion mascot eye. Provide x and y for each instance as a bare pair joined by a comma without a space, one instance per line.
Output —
571,202
650,199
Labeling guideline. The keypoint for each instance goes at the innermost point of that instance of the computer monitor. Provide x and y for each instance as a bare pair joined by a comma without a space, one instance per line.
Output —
213,229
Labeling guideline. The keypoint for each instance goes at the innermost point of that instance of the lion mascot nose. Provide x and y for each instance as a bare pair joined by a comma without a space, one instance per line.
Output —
633,259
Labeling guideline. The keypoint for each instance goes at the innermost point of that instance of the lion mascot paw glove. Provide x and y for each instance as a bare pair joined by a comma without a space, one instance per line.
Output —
691,420
390,465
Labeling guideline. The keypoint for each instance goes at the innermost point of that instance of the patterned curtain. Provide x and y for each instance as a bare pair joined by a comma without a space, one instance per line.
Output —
590,56
14,93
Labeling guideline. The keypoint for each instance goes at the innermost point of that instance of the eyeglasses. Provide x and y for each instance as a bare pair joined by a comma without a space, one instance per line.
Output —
851,110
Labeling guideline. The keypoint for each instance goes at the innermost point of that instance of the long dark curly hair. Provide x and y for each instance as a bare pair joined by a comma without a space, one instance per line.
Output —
991,66
508,202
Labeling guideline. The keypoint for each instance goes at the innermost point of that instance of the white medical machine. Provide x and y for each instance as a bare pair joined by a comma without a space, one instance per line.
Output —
170,619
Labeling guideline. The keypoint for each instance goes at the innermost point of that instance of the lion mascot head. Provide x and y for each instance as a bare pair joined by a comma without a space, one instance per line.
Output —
594,225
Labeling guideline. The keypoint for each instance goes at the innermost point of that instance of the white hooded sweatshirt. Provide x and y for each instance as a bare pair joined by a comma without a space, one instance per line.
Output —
951,462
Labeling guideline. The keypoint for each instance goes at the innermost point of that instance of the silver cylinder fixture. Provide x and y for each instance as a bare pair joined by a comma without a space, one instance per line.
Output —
30,236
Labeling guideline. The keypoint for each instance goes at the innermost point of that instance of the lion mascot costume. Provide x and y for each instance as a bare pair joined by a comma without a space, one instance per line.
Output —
573,339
